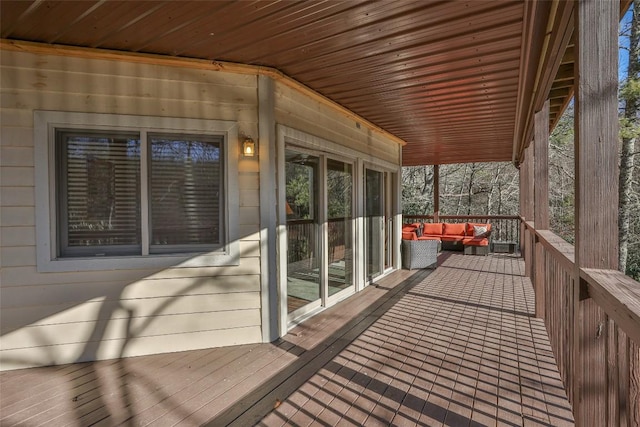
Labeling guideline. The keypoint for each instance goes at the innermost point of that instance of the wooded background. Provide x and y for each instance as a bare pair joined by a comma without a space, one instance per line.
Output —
493,188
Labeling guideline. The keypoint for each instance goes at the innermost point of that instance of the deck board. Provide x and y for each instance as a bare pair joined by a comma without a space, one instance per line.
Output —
456,346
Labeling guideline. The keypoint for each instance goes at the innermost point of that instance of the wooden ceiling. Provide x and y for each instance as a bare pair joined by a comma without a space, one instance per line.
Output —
456,80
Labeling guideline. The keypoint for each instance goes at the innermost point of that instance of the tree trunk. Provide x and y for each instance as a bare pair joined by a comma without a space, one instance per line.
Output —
472,175
495,182
627,154
462,185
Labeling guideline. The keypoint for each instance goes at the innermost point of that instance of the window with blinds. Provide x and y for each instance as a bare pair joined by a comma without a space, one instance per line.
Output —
100,187
185,177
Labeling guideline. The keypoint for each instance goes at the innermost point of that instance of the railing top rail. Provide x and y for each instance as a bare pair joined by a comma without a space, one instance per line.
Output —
464,216
618,295
300,221
562,250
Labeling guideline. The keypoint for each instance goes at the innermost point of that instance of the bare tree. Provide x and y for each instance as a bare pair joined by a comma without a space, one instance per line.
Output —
629,128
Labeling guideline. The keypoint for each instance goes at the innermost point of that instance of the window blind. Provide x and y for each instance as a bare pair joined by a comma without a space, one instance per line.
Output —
99,193
185,181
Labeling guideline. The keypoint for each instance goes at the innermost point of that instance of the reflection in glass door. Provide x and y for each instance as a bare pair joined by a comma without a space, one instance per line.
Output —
303,242
339,225
374,223
388,221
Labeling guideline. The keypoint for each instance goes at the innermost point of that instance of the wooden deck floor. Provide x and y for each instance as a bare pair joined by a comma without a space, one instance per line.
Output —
455,347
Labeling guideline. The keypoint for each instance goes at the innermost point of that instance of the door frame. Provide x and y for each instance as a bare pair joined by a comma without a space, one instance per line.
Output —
287,137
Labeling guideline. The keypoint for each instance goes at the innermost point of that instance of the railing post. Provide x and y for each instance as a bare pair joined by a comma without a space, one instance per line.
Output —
596,200
526,209
541,201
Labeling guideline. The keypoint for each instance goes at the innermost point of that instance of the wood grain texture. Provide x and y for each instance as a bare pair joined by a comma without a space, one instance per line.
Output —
563,251
634,385
618,295
539,280
541,168
596,197
596,136
456,346
612,310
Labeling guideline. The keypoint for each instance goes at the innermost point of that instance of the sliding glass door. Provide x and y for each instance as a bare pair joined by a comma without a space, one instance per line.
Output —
374,223
339,226
303,237
320,236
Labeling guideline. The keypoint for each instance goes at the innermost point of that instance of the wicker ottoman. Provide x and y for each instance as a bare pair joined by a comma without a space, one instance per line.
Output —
419,254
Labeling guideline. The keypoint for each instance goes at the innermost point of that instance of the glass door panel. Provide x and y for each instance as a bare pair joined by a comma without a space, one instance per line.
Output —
388,221
339,225
374,223
303,240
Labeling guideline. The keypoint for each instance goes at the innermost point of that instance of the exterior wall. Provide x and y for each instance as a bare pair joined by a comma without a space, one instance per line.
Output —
53,318
298,111
304,120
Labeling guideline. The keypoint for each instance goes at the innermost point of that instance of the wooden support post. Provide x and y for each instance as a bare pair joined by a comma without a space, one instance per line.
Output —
541,201
436,193
526,207
596,199
541,168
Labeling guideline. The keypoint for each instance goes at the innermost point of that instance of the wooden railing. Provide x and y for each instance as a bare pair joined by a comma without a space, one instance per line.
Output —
302,240
302,235
593,321
505,228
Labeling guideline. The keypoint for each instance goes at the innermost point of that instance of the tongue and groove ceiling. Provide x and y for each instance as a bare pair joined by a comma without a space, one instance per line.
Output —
453,79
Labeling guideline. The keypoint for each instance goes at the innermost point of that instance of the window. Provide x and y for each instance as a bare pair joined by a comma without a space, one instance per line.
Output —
134,187
98,193
185,178
99,190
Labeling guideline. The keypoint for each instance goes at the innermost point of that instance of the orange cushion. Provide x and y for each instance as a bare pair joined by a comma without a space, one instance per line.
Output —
446,238
432,228
429,238
475,241
409,235
470,226
437,236
453,229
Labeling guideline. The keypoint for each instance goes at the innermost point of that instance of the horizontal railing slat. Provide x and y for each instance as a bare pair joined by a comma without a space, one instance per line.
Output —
464,216
618,295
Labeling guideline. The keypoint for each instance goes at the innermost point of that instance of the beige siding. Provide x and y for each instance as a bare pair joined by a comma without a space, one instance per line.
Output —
298,111
51,318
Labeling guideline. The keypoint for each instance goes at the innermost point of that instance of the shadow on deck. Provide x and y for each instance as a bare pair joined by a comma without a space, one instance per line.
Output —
456,347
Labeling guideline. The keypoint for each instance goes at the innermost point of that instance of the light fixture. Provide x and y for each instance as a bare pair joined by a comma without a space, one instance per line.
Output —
248,148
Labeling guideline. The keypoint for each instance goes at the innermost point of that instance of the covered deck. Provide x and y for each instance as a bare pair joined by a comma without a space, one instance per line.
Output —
456,346
449,82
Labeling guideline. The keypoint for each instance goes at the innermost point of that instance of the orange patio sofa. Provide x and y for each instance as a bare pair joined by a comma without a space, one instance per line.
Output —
471,237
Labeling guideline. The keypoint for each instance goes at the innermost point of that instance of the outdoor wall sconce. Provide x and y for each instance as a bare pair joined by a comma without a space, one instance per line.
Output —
248,148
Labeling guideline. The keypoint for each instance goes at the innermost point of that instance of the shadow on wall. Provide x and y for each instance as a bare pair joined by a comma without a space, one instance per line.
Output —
153,311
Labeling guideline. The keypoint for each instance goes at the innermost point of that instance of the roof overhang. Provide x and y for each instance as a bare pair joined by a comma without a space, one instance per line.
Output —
458,81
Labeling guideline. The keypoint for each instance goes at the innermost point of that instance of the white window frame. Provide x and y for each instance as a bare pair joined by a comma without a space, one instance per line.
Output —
45,125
